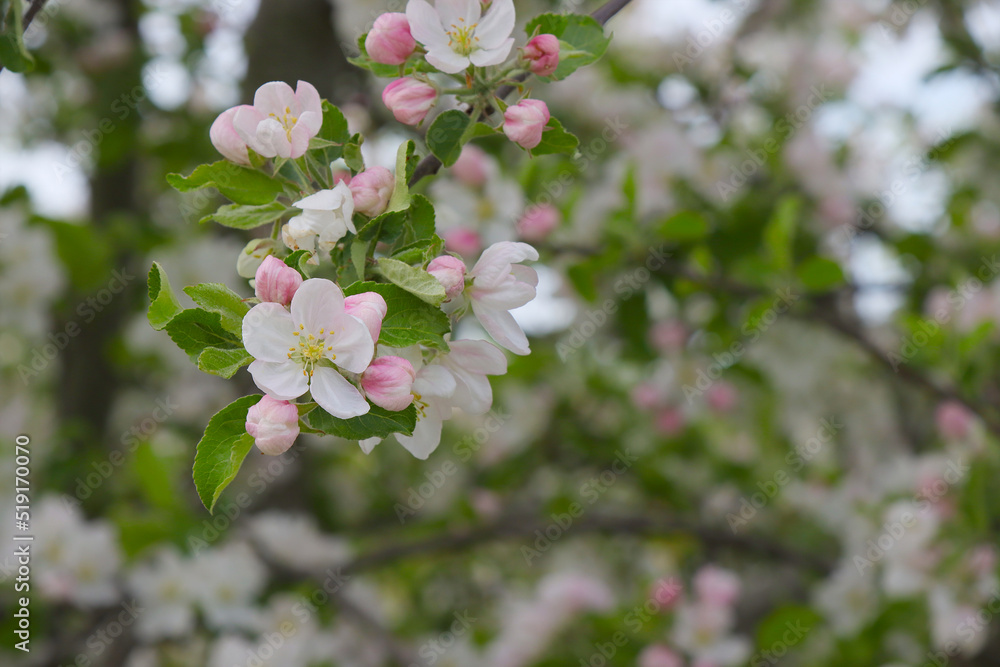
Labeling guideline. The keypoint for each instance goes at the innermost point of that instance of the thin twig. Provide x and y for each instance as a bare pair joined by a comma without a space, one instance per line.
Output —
430,165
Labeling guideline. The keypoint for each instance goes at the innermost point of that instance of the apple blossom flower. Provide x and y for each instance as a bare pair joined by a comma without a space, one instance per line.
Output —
370,308
538,222
387,382
432,390
500,284
524,122
450,272
670,421
275,281
295,351
458,34
470,361
409,100
542,54
473,166
227,140
230,578
166,589
371,190
462,240
281,122
667,592
389,41
326,217
273,424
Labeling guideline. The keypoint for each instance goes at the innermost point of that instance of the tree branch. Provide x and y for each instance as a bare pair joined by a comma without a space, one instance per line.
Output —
430,165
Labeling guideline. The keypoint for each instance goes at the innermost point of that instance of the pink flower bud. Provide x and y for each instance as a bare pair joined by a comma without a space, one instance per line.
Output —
542,54
464,241
721,397
472,166
370,308
226,140
953,420
716,587
389,42
450,272
273,424
524,122
659,655
538,222
371,190
387,382
275,281
409,100
341,176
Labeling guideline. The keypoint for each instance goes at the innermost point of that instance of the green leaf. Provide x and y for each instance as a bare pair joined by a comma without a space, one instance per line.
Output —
217,298
408,320
684,226
297,261
482,130
581,38
421,223
222,449
420,252
415,281
819,274
400,199
780,234
359,253
352,154
555,139
163,305
239,184
224,363
240,216
195,329
386,227
445,135
334,133
379,422
13,54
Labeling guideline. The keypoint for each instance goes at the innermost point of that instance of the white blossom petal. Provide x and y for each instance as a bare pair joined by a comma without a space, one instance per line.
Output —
501,325
352,343
336,395
316,305
283,380
268,332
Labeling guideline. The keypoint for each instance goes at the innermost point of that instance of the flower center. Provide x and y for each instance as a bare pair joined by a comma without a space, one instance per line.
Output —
420,405
311,350
462,38
287,121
